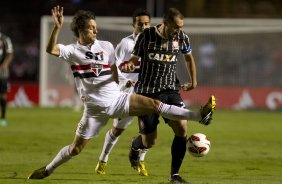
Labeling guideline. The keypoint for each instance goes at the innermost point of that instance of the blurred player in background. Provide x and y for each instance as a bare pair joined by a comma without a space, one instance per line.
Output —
158,48
96,77
6,56
141,21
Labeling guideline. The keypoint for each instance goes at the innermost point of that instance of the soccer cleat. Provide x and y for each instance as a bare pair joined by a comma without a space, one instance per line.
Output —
207,111
39,173
142,169
133,156
101,167
175,178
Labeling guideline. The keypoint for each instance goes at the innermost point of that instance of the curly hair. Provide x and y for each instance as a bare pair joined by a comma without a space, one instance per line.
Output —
79,20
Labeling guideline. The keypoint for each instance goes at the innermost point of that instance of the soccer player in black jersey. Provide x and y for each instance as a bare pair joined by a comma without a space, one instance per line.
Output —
6,56
158,48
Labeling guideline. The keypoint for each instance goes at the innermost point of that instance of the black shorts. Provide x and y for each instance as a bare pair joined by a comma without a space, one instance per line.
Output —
4,85
149,123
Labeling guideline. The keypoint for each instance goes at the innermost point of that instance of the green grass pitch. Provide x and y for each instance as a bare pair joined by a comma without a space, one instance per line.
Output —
246,148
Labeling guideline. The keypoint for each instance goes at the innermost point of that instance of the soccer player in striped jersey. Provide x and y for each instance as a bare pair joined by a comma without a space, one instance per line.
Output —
158,47
6,56
93,65
141,20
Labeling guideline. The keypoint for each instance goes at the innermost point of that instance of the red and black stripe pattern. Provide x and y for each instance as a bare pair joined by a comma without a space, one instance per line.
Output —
90,70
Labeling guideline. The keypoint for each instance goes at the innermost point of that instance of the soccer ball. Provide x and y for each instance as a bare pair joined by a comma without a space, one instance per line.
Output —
198,145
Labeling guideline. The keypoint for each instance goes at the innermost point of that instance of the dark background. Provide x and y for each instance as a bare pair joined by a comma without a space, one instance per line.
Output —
21,20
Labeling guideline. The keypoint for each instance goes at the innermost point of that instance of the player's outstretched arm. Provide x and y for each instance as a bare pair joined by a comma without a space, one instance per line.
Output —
58,18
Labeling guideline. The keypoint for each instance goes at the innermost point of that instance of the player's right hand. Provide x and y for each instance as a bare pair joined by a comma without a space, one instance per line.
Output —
58,17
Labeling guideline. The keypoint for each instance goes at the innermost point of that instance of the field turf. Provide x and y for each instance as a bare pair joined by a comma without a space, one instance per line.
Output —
246,149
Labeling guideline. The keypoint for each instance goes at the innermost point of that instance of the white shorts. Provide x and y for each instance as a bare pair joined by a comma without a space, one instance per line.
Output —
124,122
128,90
95,117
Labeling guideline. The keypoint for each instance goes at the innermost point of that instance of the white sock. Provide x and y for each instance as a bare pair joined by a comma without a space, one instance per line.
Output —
142,154
109,143
62,157
177,113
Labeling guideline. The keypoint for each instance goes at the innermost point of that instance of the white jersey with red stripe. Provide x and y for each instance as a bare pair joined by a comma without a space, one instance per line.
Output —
91,68
123,53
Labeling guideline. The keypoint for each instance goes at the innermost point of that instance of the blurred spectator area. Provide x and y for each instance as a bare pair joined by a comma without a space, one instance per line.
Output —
21,21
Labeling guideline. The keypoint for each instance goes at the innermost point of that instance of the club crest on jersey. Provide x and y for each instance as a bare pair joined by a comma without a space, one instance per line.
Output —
162,57
96,68
96,56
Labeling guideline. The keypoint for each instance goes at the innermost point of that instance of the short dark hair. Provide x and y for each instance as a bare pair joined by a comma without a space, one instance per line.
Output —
140,12
79,20
171,13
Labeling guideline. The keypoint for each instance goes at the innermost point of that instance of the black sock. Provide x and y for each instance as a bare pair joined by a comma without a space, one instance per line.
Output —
3,103
178,150
137,143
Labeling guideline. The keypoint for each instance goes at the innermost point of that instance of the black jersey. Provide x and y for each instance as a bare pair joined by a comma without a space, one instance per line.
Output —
158,60
5,47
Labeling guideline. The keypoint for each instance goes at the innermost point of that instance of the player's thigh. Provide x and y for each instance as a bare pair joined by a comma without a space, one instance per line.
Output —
140,105
179,127
148,123
119,107
90,126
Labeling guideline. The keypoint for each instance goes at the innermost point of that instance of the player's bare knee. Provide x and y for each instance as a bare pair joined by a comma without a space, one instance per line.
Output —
117,131
75,150
150,143
156,104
